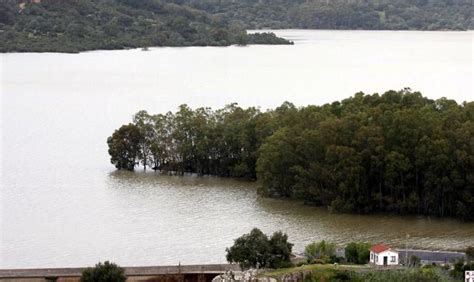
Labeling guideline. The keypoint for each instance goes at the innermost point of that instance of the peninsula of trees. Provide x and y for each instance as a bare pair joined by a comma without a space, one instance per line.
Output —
397,152
80,25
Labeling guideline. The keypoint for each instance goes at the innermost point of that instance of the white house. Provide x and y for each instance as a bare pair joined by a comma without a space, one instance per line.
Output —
383,255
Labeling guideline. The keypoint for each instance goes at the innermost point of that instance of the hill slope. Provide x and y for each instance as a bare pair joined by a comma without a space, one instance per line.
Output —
343,14
79,25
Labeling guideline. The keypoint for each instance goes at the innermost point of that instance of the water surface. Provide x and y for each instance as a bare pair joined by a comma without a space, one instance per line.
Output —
62,203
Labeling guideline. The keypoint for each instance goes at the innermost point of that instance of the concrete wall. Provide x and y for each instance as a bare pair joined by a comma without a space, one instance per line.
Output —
151,278
176,273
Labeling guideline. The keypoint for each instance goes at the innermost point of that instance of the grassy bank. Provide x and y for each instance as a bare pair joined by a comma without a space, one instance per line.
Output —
326,272
320,270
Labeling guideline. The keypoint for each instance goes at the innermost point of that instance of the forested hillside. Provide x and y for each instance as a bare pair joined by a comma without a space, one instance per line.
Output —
396,152
343,14
79,25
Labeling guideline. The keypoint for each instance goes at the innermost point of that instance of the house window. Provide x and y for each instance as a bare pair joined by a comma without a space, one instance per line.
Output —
376,258
392,259
371,256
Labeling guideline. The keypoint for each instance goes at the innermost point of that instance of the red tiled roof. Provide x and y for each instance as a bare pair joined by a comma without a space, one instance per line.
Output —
379,248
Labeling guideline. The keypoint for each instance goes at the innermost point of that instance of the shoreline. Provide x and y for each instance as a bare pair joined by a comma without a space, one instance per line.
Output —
202,268
249,31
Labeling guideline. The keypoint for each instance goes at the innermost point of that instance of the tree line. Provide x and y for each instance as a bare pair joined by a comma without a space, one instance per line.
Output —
203,141
342,14
397,152
80,25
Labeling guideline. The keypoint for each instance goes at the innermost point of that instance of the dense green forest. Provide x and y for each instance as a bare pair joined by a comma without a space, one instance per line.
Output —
398,152
342,14
79,25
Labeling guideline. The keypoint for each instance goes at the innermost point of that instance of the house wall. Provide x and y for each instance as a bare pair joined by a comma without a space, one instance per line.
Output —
377,259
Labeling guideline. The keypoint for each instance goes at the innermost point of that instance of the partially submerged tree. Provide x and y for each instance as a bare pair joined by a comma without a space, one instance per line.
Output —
124,146
397,152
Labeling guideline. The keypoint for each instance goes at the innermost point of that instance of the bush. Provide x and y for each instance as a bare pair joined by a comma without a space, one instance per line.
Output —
404,275
301,263
317,261
256,250
106,272
357,252
320,250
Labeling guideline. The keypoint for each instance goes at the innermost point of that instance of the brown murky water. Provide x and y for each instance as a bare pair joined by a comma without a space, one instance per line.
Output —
62,203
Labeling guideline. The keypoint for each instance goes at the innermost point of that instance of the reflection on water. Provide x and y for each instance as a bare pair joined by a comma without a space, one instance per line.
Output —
222,209
147,219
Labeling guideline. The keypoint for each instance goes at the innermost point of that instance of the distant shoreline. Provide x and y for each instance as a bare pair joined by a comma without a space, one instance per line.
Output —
251,31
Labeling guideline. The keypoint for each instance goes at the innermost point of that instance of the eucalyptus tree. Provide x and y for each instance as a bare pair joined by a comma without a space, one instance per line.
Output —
144,123
398,152
124,146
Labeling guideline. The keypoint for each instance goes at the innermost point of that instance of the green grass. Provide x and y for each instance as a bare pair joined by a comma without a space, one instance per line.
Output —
359,273
326,270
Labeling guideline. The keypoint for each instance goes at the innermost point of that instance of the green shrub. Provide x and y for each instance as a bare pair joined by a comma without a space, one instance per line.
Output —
106,272
255,249
357,252
405,275
301,263
320,249
317,261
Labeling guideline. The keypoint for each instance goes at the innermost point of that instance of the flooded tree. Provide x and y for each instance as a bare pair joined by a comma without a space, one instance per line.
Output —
124,146
398,152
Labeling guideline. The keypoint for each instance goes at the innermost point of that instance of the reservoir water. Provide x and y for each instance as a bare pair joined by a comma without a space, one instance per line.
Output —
63,204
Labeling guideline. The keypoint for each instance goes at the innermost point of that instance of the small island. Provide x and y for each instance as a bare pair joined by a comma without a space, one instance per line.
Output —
398,152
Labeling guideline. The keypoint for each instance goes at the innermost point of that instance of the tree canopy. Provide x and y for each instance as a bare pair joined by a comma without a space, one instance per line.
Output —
343,14
321,249
357,252
255,249
104,272
398,152
124,146
79,25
